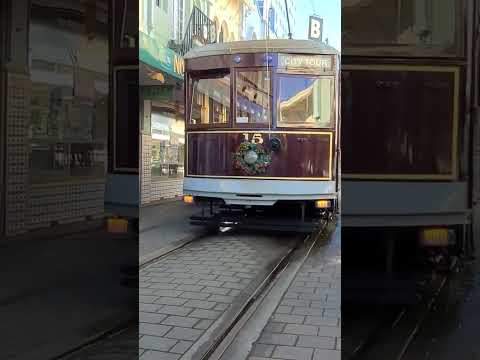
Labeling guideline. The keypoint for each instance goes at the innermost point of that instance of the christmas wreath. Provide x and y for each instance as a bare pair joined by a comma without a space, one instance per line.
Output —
251,158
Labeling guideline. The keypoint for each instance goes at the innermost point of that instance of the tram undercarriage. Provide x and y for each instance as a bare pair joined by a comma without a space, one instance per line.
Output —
288,216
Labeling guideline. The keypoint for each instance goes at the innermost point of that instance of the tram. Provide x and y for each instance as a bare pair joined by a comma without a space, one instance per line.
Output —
410,120
262,133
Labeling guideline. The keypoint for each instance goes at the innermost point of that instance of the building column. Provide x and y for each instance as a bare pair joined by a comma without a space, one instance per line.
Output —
18,92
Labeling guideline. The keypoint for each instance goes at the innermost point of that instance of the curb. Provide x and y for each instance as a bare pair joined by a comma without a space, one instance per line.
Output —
161,202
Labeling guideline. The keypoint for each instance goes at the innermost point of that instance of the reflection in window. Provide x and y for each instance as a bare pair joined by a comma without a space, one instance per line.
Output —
168,146
417,23
253,97
69,100
306,100
211,100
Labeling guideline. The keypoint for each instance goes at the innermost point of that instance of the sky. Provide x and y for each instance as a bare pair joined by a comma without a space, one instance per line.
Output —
329,10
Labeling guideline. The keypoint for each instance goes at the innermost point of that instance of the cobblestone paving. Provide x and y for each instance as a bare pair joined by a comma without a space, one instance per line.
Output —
306,325
182,296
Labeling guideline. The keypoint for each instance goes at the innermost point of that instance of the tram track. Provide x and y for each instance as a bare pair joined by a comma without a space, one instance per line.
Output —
234,320
397,327
113,331
235,325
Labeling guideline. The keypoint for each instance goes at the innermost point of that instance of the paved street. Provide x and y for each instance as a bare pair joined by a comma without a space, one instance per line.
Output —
51,301
452,328
164,224
306,324
186,297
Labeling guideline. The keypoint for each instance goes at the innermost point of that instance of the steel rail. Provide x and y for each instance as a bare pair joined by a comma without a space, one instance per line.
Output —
379,337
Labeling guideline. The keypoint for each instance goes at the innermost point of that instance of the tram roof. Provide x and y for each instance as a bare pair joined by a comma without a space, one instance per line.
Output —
260,46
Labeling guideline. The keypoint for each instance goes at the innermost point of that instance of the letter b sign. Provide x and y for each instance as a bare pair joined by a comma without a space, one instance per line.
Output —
315,28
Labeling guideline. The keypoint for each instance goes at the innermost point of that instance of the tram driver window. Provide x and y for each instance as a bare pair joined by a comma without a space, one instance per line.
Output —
211,100
306,101
253,97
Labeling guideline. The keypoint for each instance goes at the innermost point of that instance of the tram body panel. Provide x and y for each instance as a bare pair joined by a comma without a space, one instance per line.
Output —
404,204
302,155
406,115
259,192
409,117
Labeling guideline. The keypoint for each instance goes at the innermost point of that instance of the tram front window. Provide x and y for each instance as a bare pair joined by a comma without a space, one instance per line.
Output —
306,101
211,100
253,97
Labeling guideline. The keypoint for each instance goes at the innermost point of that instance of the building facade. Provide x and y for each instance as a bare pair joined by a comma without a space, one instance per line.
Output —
273,15
167,30
56,113
161,98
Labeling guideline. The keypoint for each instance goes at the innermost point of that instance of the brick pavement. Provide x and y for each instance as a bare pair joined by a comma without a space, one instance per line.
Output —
183,296
306,325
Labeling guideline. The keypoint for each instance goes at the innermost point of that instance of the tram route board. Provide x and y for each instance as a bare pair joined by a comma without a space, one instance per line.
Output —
318,62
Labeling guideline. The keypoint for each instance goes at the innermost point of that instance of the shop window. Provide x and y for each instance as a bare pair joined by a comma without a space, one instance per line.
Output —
253,97
168,146
69,101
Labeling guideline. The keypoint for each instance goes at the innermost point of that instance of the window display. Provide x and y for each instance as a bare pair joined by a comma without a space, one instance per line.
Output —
168,145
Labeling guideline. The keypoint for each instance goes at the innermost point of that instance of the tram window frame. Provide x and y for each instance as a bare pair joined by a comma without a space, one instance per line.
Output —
334,105
269,121
195,76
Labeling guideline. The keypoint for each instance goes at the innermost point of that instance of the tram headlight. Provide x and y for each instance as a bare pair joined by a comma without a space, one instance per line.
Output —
188,199
322,204
437,237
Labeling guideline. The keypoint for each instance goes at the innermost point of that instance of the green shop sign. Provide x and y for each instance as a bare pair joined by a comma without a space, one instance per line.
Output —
156,92
160,57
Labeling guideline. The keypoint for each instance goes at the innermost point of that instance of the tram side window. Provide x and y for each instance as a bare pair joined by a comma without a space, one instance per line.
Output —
253,97
211,100
306,101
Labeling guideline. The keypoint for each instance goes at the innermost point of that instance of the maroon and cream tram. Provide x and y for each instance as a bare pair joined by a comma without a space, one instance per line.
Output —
261,132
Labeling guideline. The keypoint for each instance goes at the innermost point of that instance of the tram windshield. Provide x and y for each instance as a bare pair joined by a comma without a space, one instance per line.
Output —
253,96
306,101
211,100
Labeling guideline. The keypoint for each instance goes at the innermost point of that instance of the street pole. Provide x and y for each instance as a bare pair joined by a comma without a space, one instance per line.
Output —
288,21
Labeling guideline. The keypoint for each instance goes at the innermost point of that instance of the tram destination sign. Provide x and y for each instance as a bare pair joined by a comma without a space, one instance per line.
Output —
317,62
